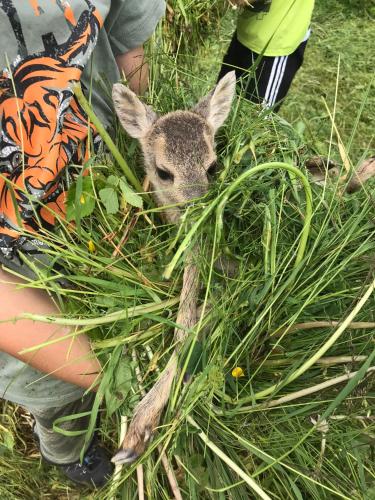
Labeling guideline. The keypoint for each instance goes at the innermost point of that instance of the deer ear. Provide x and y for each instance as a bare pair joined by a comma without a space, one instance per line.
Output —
216,105
136,118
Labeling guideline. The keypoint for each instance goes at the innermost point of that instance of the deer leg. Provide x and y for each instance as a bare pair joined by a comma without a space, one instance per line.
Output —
147,416
149,409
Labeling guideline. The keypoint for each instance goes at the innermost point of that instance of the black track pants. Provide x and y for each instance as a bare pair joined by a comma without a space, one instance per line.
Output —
269,82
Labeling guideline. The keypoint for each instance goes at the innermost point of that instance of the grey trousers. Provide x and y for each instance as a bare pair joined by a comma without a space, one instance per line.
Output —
47,399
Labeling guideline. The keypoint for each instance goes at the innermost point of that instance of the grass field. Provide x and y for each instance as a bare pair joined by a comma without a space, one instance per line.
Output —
265,319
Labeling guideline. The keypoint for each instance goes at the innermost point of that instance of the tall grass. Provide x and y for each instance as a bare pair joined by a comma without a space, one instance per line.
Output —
225,436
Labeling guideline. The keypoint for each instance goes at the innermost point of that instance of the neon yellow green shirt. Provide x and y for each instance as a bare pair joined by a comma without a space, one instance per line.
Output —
276,27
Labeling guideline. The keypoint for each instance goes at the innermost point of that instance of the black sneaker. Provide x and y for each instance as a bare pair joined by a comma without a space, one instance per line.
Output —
95,469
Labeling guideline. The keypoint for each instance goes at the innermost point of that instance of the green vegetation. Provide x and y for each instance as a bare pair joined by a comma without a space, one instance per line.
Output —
261,422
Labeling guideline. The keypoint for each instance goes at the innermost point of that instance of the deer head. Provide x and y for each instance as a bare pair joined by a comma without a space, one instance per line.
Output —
178,148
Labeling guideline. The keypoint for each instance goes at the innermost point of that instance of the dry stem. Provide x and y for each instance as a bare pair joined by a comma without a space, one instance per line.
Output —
315,388
308,325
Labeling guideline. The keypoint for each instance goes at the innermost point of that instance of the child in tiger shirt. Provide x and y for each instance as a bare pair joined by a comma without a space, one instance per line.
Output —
46,48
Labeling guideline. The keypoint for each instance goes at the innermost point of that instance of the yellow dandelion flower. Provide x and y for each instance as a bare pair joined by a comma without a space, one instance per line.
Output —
91,246
238,372
82,199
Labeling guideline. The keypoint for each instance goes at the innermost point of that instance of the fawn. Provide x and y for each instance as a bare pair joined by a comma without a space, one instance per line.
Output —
178,148
179,158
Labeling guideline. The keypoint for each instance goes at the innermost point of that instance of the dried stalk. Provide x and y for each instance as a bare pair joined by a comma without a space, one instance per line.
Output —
308,325
327,361
118,467
315,388
140,481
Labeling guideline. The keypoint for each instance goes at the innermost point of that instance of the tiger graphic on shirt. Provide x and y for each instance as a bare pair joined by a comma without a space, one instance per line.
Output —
43,128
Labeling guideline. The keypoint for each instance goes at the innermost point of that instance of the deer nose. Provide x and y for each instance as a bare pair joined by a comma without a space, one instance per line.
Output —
196,190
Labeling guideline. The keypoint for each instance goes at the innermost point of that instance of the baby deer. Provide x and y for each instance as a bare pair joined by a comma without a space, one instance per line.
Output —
179,157
178,148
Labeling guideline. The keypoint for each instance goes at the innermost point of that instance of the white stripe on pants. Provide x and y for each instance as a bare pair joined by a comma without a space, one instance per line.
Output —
280,79
270,81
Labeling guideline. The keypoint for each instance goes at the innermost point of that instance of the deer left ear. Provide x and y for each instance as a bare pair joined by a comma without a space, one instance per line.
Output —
216,105
136,118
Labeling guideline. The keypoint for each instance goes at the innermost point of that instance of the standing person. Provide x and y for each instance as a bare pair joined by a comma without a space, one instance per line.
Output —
267,47
46,47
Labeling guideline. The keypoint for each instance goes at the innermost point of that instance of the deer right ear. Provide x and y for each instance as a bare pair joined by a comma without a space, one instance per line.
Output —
216,105
136,118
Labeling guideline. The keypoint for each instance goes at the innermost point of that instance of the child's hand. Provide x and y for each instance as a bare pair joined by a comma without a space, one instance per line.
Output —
240,3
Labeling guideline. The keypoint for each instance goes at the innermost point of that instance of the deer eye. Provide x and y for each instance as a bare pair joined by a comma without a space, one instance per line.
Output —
164,174
212,168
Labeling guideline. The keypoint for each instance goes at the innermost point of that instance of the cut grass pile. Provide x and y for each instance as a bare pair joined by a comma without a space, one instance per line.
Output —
299,421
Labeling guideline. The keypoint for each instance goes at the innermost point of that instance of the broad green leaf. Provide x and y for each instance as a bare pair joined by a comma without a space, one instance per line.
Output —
130,196
119,389
112,180
109,199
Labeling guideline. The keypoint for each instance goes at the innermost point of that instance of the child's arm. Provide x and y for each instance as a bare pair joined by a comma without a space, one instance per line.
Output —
71,360
135,68
241,3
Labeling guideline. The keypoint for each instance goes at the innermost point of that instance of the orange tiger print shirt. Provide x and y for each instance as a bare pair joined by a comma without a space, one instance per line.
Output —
45,46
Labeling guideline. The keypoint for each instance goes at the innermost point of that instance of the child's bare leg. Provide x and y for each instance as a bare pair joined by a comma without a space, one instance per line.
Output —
71,360
46,397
